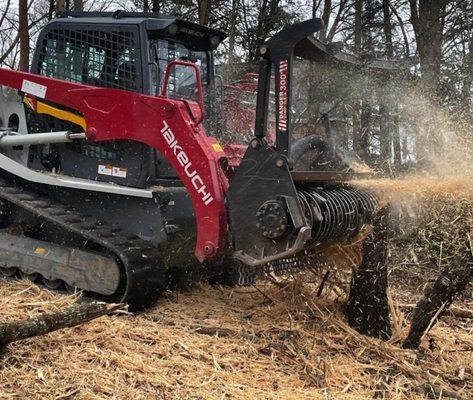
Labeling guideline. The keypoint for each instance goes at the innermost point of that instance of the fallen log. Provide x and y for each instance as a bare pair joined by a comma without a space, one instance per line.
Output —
451,282
454,312
74,315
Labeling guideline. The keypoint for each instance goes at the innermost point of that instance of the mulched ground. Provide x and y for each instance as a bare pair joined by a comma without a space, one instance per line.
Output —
273,341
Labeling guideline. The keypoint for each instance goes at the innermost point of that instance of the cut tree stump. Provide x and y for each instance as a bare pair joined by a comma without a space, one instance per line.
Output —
74,315
368,309
451,282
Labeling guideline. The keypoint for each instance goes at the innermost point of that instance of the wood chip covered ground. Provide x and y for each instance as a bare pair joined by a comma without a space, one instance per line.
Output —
263,342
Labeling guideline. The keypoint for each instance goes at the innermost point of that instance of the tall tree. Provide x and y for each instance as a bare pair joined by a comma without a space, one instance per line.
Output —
52,7
467,76
204,11
358,13
358,145
315,7
326,18
24,35
231,39
388,29
10,31
60,5
388,133
78,5
268,18
427,18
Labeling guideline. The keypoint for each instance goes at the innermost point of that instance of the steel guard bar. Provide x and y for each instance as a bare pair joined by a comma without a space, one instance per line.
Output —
159,122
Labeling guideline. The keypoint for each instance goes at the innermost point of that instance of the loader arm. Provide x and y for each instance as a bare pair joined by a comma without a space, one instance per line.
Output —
163,124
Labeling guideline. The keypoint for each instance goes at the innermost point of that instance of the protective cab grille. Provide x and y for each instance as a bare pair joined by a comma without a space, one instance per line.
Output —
94,57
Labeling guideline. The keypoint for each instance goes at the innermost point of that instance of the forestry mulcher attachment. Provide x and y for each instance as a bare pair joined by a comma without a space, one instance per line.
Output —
109,178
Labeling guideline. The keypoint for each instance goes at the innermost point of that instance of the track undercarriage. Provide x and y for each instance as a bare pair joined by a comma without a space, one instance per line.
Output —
89,254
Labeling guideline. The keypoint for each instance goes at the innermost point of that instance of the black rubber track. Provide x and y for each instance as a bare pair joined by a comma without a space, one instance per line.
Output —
143,276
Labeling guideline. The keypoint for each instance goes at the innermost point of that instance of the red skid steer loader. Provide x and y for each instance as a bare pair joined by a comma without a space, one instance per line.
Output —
110,174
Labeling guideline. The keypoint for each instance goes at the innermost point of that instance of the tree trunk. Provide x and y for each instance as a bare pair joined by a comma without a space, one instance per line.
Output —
452,281
388,138
427,19
326,19
396,137
60,5
267,19
338,18
315,6
52,7
259,38
468,77
232,30
384,134
231,41
368,26
145,6
204,11
358,10
78,5
387,28
368,310
156,6
344,135
356,110
24,35
45,323
356,123
405,148
362,139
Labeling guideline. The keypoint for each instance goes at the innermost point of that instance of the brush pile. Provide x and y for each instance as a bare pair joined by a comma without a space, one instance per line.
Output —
433,223
274,340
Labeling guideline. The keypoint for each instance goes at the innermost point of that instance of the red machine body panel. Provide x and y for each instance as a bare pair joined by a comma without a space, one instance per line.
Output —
162,123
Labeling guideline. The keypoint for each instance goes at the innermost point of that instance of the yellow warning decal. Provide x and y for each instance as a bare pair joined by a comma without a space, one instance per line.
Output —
217,148
40,250
43,108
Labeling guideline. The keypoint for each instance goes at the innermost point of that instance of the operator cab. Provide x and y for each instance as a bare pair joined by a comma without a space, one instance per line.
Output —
122,50
127,51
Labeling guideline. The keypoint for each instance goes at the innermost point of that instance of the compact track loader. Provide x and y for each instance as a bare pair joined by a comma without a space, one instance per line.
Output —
110,174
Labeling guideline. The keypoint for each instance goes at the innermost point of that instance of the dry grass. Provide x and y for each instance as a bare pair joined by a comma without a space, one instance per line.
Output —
276,342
